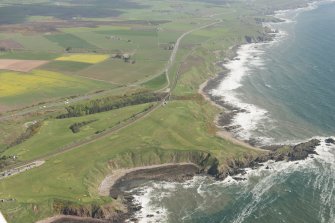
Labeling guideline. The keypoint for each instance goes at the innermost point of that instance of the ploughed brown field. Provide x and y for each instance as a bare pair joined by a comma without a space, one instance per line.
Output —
10,44
20,65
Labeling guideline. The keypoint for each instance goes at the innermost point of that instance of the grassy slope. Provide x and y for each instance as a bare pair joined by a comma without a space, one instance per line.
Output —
35,42
75,176
55,133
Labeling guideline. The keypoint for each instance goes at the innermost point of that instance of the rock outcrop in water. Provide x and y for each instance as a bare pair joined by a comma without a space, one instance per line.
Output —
330,141
291,153
277,153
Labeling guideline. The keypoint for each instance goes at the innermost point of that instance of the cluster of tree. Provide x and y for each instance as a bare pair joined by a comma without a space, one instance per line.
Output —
110,103
75,128
127,58
170,46
5,161
30,131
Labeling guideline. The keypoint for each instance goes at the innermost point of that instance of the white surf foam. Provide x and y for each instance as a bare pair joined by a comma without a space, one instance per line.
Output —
148,198
248,56
291,14
259,182
325,181
272,173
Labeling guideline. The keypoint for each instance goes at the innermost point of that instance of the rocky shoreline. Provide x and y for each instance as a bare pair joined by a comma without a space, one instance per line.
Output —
122,189
208,165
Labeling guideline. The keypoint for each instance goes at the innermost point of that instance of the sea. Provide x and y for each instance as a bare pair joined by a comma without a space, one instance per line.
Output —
286,90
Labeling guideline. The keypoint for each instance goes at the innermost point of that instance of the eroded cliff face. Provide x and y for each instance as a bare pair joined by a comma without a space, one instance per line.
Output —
276,153
206,163
106,212
222,167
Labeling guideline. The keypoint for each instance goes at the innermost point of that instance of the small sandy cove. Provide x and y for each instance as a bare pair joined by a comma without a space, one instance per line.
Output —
117,174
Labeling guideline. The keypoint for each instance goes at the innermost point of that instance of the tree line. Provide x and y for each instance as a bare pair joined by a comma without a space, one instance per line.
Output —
75,128
30,131
110,103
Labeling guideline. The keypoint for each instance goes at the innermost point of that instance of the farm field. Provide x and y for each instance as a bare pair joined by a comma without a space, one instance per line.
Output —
84,58
18,89
34,42
10,44
120,72
66,67
29,55
20,65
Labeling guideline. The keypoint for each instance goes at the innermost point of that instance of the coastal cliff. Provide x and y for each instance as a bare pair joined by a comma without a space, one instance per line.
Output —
203,163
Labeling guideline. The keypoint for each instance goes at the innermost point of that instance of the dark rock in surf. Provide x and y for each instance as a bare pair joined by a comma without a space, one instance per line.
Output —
330,141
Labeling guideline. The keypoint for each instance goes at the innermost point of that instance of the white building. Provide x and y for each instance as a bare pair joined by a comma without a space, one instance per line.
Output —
2,219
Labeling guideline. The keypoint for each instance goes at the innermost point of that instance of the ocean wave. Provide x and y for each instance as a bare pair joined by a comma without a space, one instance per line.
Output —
252,120
248,56
325,181
253,194
275,173
148,197
290,15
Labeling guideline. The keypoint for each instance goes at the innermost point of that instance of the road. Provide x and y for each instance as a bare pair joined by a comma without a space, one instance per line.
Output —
122,125
20,169
50,105
176,48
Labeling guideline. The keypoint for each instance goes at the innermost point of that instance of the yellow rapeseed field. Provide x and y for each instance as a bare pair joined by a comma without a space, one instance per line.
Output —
16,83
84,58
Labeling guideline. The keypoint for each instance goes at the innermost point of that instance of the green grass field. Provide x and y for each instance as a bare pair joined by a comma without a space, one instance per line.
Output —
156,83
18,89
68,40
65,66
34,42
56,133
119,72
32,55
